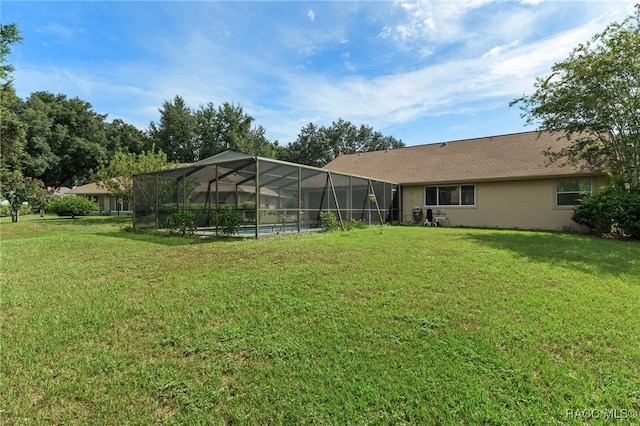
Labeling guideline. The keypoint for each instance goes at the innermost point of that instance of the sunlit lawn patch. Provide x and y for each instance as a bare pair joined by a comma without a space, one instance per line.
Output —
379,326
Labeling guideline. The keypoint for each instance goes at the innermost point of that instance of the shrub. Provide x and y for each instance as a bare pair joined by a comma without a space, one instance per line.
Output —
73,206
354,224
5,210
229,220
616,210
182,223
328,221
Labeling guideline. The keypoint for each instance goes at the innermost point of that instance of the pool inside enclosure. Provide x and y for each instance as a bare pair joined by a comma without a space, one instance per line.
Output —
269,196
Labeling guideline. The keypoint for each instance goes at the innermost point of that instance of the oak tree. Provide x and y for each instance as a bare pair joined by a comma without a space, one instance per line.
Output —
317,146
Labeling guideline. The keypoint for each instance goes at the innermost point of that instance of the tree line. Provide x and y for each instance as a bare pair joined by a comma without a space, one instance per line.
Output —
62,141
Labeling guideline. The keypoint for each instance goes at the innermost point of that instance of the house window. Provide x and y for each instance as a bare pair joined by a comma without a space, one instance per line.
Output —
458,195
569,191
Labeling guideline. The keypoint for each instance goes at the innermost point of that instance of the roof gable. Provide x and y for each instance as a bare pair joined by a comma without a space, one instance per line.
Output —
91,188
504,157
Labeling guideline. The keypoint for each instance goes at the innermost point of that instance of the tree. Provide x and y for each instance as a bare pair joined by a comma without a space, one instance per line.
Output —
208,140
65,139
121,136
42,199
18,189
12,130
317,146
235,132
593,97
9,35
309,148
257,143
116,175
175,134
188,136
37,118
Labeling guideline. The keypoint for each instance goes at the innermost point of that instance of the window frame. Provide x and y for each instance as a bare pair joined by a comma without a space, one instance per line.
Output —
458,188
578,193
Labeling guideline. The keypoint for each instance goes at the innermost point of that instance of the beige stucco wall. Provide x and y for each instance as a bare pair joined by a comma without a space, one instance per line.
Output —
523,204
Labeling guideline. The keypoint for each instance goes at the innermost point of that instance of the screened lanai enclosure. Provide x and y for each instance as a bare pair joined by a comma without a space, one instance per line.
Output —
269,196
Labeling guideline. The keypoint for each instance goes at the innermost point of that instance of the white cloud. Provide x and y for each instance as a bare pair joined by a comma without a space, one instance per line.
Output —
430,20
469,85
311,15
495,51
466,85
59,30
347,63
537,59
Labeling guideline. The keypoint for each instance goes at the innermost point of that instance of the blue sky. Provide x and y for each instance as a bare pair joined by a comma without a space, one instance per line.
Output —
422,72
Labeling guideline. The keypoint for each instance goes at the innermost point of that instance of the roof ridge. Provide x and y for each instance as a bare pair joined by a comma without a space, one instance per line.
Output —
472,139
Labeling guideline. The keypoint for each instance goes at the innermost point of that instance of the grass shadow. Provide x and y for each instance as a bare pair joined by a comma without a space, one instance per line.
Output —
583,253
97,223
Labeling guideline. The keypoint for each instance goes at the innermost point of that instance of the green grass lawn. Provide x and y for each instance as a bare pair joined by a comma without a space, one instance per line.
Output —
393,325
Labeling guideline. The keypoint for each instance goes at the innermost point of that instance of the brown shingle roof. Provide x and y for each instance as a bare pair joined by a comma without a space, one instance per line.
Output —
504,157
89,189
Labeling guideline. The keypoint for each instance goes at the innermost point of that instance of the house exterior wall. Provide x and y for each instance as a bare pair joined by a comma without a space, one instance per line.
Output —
522,204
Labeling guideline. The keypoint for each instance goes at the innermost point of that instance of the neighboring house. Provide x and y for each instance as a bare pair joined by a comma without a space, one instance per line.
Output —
107,202
501,181
59,192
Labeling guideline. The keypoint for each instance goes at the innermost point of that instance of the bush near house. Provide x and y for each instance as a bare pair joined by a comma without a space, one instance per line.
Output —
616,210
73,206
